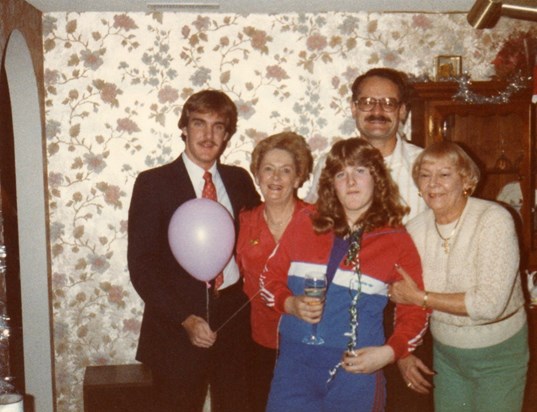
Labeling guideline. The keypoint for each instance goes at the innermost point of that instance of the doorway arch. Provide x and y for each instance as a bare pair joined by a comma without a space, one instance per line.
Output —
30,189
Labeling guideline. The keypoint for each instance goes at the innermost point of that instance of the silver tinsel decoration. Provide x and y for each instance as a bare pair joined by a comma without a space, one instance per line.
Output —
353,258
464,93
516,83
5,379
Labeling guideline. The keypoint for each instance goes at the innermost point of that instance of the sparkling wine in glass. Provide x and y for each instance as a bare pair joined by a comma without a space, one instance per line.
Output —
315,287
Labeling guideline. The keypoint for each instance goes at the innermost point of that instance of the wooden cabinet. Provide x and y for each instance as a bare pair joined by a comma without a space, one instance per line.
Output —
500,137
118,388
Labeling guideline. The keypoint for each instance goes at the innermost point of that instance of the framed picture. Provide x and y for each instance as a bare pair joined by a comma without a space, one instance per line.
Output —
448,67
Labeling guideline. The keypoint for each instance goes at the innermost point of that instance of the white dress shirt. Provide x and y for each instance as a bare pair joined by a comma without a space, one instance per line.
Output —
195,173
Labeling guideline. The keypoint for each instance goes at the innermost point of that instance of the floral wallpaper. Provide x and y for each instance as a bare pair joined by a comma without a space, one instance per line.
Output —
115,85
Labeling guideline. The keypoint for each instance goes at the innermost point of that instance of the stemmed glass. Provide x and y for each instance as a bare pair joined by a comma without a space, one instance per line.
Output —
315,287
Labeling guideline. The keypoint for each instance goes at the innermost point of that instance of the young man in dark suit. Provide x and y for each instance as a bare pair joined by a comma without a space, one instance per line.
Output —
181,314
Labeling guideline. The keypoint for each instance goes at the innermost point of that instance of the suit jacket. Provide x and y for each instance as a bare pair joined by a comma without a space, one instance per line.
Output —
170,294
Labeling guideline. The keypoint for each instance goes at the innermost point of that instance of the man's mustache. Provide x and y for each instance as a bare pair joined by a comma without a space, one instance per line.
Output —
376,118
208,142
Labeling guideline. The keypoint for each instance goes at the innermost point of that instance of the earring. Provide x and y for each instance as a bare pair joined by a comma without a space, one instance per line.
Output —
466,192
419,194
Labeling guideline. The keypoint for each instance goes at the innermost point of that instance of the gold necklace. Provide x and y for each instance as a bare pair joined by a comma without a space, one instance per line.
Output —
275,224
445,240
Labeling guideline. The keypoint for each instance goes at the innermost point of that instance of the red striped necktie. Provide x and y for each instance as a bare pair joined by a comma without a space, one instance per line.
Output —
209,192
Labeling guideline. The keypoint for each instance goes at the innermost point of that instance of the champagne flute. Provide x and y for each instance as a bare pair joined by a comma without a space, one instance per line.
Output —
315,287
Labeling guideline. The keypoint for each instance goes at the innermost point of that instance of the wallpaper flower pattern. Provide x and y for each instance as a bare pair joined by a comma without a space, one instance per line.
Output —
114,86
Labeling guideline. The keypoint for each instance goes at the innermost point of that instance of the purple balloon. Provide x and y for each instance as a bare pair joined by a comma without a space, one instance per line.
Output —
201,234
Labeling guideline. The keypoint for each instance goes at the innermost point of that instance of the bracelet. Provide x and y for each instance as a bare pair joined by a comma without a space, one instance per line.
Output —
424,303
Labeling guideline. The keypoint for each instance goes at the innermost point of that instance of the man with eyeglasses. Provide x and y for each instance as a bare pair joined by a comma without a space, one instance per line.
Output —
379,106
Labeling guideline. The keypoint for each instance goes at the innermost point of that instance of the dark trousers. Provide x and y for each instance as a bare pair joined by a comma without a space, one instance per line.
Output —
221,368
260,373
399,398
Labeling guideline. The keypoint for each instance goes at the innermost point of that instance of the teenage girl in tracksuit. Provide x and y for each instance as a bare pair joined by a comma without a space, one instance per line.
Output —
320,377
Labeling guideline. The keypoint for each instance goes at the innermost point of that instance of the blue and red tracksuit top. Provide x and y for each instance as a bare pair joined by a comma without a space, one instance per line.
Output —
305,251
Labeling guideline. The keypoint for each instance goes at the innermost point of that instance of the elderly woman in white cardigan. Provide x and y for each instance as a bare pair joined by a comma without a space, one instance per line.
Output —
470,257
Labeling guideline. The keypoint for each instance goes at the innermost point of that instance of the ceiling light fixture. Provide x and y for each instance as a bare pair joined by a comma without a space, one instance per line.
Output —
484,14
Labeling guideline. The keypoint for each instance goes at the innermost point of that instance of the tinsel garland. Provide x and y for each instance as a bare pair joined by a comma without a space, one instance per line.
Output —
5,386
516,84
352,259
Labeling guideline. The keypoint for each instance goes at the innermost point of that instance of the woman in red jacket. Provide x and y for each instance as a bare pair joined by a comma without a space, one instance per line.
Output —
280,164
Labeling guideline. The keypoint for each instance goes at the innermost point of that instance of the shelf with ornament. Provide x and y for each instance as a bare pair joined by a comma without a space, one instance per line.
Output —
504,166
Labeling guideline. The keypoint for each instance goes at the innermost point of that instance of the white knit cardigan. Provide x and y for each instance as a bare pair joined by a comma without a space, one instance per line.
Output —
483,262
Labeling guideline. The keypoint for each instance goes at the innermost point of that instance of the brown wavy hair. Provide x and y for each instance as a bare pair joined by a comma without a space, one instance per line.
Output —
210,101
290,142
386,208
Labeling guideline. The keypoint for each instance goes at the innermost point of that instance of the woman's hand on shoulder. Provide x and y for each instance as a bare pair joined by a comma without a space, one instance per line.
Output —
405,291
305,308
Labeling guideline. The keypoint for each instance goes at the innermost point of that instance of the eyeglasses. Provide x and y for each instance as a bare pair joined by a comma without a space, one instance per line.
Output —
388,104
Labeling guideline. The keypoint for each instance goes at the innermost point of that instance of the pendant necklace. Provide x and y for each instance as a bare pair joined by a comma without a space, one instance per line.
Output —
445,240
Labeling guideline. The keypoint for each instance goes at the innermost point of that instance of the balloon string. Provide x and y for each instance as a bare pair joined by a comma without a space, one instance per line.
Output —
207,301
241,308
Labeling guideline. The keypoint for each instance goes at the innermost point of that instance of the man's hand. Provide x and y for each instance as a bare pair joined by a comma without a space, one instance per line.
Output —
413,370
199,331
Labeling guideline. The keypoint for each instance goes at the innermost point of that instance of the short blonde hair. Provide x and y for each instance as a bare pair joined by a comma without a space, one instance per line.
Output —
463,163
290,142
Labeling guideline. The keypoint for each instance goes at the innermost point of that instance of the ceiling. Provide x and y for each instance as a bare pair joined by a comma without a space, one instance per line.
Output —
254,6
